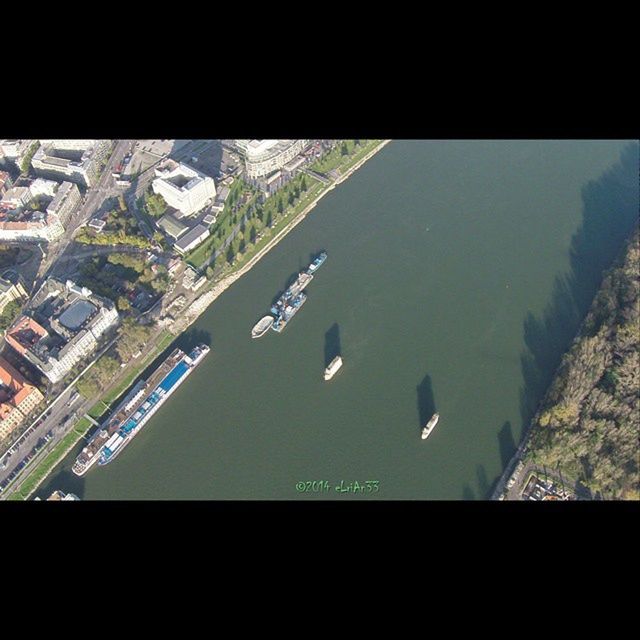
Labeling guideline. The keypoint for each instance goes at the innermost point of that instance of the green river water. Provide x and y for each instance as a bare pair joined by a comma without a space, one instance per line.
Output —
450,287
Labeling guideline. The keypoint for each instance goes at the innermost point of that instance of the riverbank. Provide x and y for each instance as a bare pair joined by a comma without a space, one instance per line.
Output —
40,473
596,376
201,304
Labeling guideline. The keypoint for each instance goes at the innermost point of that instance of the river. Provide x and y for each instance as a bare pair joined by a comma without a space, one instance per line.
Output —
457,273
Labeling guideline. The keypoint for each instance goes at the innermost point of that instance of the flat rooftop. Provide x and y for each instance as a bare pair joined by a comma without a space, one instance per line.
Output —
77,314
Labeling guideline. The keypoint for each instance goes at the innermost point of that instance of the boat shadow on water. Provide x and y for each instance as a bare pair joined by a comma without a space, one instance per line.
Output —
332,344
426,402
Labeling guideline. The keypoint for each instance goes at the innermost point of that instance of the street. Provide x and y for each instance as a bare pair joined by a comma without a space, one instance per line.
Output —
93,199
59,418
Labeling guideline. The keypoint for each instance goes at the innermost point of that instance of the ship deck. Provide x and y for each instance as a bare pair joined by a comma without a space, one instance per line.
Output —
115,421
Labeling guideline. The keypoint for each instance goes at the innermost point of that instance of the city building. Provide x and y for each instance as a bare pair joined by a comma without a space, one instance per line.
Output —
191,279
63,327
65,202
295,164
183,188
10,292
14,151
263,157
173,265
16,198
172,226
74,160
5,182
209,219
191,240
37,211
18,398
97,224
273,182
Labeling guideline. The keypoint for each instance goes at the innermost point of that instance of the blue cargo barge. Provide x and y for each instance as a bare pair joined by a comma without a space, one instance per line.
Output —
130,426
291,301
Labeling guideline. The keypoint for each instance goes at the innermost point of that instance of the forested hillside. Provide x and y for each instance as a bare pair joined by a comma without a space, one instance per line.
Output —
589,424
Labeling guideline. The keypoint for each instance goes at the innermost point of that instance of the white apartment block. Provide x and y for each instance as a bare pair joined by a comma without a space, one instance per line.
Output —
183,188
44,228
10,292
14,150
65,201
70,334
263,157
74,160
19,224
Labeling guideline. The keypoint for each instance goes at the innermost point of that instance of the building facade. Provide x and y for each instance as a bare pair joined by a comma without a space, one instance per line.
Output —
5,182
14,151
19,221
73,160
65,202
192,239
10,292
183,188
263,157
67,322
18,398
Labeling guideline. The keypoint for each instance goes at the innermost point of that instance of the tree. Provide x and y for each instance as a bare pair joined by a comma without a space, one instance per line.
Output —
122,203
209,272
132,339
9,314
230,254
269,220
25,165
280,205
243,226
101,374
155,204
242,246
123,304
344,149
291,198
296,192
252,235
303,184
260,213
134,262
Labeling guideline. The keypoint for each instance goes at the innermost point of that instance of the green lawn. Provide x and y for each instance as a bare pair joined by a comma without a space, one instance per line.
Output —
280,221
201,254
335,160
362,151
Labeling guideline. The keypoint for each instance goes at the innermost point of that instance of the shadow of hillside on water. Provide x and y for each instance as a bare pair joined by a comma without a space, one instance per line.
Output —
610,214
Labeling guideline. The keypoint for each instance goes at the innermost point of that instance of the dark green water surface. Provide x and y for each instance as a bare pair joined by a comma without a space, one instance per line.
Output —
457,272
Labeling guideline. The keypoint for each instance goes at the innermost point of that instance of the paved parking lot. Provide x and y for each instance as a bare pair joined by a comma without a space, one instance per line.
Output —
148,152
